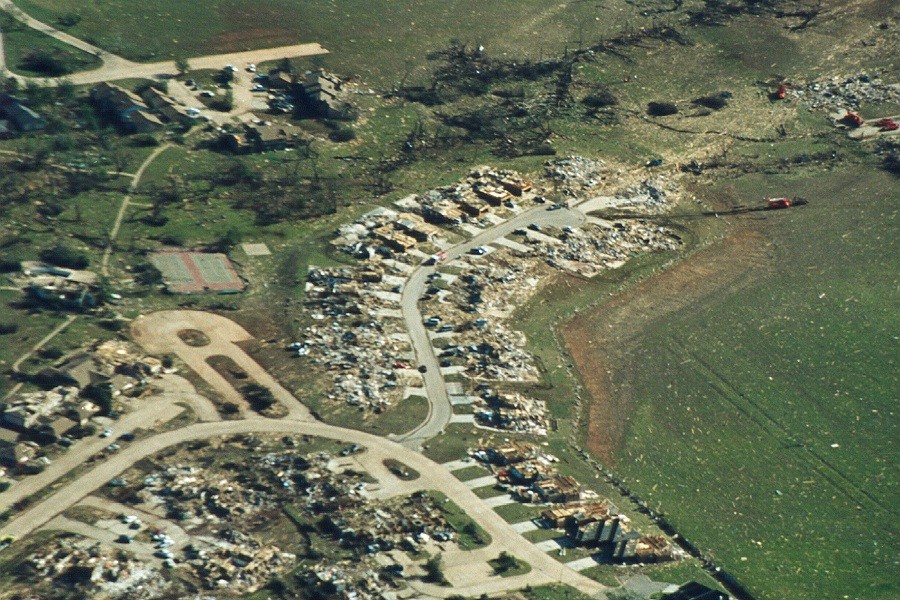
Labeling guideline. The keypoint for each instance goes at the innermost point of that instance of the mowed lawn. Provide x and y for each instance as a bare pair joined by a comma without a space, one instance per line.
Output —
766,420
379,40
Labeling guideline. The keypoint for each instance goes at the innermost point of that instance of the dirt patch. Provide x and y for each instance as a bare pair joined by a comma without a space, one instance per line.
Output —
193,337
601,340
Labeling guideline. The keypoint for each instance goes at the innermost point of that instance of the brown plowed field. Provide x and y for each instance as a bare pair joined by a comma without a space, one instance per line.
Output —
600,339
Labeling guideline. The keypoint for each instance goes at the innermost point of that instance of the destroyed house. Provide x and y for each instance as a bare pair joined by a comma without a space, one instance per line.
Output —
648,548
578,513
63,293
491,194
516,187
394,239
528,472
473,208
443,213
562,488
414,228
511,453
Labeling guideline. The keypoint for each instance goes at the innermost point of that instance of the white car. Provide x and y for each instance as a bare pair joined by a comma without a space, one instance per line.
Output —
106,433
251,68
231,68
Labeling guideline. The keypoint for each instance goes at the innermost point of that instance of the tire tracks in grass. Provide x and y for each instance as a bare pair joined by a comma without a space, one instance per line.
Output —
771,426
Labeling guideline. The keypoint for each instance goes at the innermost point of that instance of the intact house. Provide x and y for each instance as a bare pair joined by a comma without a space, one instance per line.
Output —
264,137
19,116
125,108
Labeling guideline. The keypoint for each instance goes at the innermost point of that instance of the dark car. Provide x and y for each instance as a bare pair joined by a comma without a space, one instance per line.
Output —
423,369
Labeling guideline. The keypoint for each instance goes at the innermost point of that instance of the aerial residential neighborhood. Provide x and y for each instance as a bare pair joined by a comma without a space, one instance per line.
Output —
390,301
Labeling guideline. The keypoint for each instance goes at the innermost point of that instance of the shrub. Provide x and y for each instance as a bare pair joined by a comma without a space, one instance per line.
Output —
223,103
9,266
144,140
342,134
258,396
230,408
7,328
715,101
434,570
69,20
51,353
600,98
63,256
167,362
661,109
45,62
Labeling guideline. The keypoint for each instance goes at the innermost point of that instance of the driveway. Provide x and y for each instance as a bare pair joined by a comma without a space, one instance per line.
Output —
158,334
117,67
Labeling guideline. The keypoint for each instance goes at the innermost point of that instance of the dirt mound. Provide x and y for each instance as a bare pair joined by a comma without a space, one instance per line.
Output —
600,340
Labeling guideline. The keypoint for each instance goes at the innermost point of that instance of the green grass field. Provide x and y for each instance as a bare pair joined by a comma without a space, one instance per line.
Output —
19,41
765,420
380,41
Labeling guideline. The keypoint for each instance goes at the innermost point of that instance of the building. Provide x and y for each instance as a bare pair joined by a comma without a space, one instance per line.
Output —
472,207
124,107
264,137
167,107
511,453
394,239
491,194
322,94
562,488
281,80
20,116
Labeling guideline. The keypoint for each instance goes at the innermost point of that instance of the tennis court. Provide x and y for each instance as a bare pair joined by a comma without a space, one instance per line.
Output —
194,272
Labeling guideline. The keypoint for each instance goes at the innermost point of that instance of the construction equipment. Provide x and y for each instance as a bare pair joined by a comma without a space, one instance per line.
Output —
887,124
852,119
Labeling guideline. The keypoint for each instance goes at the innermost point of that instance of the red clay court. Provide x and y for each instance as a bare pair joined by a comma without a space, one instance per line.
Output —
196,272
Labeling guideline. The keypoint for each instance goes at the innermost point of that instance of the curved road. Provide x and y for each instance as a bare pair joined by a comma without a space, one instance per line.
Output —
440,409
117,67
158,332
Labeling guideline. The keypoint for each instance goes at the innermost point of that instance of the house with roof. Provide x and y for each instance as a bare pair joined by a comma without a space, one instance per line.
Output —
165,105
322,94
124,107
20,116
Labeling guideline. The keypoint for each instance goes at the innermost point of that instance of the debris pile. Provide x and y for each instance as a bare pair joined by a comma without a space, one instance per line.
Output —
512,412
608,245
360,336
837,94
574,173
74,561
529,475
